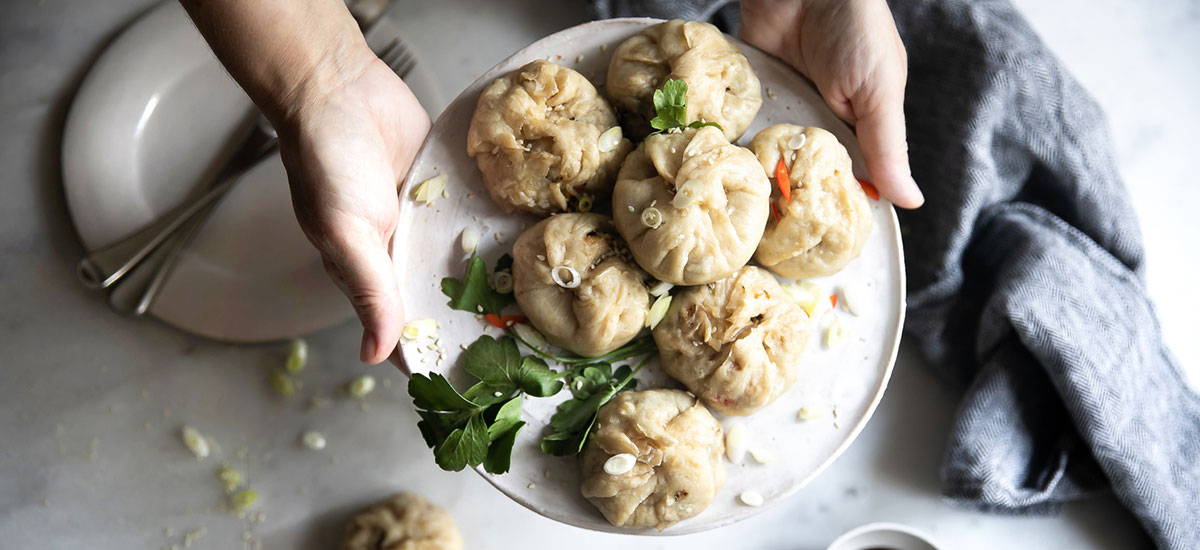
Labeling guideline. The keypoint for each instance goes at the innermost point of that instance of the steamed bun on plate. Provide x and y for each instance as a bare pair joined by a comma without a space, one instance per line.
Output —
722,87
677,448
535,135
574,279
691,205
828,219
735,343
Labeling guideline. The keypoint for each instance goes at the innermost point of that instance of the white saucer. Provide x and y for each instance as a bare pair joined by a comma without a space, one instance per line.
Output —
155,118
850,378
883,536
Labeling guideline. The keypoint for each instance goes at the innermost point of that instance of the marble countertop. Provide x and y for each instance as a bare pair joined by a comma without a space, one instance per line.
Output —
91,404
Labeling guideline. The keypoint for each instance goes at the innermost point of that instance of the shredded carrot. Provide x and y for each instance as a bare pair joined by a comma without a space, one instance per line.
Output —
506,321
774,212
833,300
869,189
782,181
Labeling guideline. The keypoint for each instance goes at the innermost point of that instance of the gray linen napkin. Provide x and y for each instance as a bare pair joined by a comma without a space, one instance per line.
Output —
1024,284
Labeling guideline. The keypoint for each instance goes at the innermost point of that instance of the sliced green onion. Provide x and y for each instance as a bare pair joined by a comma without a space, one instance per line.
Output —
430,190
652,217
243,500
313,440
658,310
585,203
502,282
660,288
230,478
284,385
297,356
361,386
609,139
420,328
195,442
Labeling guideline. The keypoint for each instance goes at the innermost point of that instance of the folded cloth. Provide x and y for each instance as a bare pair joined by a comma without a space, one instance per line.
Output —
1023,272
722,13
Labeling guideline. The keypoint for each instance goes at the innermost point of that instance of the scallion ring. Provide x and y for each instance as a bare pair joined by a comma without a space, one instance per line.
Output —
652,217
572,281
502,282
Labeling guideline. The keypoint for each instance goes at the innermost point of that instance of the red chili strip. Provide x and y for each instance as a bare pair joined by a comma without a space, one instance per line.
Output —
506,321
869,189
782,181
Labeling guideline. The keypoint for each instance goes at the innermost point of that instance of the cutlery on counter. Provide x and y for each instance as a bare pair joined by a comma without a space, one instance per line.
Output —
135,268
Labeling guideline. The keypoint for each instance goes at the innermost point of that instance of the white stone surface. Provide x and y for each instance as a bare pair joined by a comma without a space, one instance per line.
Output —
91,404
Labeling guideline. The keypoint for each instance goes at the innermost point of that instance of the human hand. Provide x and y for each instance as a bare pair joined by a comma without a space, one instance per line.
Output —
346,151
852,52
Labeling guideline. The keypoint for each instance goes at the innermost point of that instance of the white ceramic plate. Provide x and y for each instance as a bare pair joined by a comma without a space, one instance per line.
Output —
154,119
850,378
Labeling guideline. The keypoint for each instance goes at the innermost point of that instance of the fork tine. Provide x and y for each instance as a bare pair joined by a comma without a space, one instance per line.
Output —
400,62
388,51
398,58
403,70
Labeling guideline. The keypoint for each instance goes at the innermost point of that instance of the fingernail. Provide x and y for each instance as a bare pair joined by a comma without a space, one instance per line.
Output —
368,347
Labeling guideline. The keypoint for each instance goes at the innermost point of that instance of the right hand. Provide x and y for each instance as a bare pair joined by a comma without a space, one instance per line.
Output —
346,150
853,53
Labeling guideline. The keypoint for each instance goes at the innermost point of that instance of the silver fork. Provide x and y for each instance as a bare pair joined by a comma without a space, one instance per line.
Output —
398,57
142,263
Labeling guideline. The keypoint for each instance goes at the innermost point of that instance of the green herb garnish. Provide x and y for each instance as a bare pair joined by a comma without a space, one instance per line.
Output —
670,107
475,294
592,385
639,346
479,426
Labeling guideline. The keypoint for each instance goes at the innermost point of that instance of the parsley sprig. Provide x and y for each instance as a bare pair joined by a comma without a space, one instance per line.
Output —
592,385
670,107
479,426
473,293
639,346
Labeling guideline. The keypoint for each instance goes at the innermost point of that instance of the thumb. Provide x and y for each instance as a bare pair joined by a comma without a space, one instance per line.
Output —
881,135
366,275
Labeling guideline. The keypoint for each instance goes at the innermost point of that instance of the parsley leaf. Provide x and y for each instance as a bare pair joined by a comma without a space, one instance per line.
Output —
670,107
499,364
537,379
508,416
466,445
591,387
480,425
475,293
499,455
434,392
492,360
